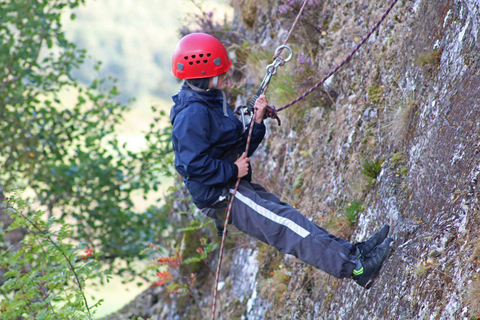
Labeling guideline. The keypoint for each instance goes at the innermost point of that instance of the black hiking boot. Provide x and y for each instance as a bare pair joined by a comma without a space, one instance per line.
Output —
369,265
366,247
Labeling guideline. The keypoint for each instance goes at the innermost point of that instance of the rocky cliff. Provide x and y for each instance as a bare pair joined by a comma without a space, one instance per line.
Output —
393,137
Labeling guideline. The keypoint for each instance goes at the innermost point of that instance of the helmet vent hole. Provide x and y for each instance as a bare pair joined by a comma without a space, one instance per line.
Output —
190,63
205,61
209,54
186,58
198,61
200,55
193,56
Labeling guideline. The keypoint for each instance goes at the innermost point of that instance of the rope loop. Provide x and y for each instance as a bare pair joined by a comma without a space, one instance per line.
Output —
271,112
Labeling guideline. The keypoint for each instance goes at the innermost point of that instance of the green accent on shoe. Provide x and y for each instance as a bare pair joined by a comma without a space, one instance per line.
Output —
371,264
357,272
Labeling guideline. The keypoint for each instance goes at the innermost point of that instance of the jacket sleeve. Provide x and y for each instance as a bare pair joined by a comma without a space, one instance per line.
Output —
257,136
191,132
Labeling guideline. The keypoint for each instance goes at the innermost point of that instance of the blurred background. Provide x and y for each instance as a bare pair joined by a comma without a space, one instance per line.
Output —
133,41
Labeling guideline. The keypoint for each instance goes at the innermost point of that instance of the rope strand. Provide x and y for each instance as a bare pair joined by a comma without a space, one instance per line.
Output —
291,29
273,112
229,210
318,84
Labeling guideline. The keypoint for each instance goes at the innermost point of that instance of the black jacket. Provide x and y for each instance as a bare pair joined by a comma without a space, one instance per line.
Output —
207,143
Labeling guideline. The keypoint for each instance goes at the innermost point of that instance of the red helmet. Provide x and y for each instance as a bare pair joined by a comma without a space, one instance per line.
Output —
199,55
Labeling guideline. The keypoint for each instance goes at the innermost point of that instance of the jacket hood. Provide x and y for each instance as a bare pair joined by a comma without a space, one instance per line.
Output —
187,96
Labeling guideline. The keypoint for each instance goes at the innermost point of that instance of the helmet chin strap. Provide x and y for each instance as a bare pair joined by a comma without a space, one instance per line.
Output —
214,87
214,83
224,96
209,87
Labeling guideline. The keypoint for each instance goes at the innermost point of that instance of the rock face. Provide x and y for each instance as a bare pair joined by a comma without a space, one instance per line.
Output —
410,99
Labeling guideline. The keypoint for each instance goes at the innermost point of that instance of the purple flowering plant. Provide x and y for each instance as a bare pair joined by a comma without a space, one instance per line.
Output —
293,6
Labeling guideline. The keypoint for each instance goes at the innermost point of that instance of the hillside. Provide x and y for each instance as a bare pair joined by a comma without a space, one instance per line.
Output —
393,137
134,41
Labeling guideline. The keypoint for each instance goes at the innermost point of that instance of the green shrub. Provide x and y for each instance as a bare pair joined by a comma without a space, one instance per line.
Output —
375,94
371,169
353,210
46,276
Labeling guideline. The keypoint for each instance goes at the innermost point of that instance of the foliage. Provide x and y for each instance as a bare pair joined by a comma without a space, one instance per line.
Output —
290,83
429,60
69,154
353,210
274,288
182,272
371,168
400,115
203,21
112,36
177,263
269,259
293,80
46,277
375,94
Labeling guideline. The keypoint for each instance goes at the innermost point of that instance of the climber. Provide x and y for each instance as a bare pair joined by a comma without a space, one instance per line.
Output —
209,143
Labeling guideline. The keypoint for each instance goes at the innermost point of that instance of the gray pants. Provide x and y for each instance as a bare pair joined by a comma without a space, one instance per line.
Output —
262,215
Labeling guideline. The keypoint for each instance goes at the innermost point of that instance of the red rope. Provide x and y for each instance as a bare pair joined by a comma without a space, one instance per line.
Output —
273,112
291,29
375,27
229,210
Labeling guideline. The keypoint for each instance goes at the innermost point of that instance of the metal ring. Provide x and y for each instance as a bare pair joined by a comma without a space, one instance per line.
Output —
283,46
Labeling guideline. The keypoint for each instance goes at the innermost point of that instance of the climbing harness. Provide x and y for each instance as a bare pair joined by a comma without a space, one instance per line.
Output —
272,112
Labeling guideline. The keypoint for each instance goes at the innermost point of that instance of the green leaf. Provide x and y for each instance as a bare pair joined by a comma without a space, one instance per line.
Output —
49,43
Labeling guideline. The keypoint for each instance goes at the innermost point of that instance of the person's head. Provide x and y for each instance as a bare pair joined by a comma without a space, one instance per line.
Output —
202,61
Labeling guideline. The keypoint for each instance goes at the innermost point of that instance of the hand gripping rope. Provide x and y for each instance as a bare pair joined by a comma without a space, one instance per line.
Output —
272,112
271,70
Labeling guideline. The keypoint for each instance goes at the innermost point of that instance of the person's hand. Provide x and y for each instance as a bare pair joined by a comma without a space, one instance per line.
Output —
260,108
242,165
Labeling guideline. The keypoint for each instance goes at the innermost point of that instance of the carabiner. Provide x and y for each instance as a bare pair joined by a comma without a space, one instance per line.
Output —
279,60
271,70
244,123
